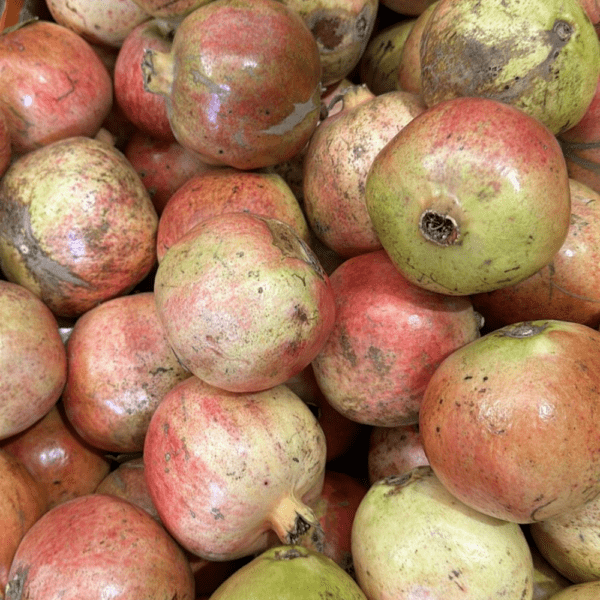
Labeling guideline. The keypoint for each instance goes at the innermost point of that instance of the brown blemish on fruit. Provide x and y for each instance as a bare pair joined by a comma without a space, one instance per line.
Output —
16,231
291,245
487,62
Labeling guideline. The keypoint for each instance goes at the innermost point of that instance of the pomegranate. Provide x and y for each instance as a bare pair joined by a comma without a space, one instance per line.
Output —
53,85
163,166
98,546
230,472
5,145
547,581
32,356
380,61
77,225
170,10
463,205
224,190
242,82
394,451
337,161
120,366
542,57
580,145
508,421
408,74
388,338
412,539
128,481
147,111
335,508
290,573
580,591
342,29
107,23
62,463
244,302
569,542
566,288
340,432
22,503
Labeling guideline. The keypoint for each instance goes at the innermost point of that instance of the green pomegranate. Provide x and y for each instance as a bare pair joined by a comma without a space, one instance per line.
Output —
472,195
542,56
289,573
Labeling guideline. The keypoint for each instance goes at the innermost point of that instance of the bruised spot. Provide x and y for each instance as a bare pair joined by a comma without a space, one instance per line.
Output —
291,245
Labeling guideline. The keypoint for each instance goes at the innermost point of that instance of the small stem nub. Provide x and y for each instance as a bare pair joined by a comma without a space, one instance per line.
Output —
440,229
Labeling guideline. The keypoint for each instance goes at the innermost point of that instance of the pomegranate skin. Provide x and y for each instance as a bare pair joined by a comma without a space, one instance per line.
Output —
32,357
228,96
389,336
120,366
53,85
567,288
77,225
244,302
147,111
226,471
98,546
508,422
162,166
221,190
22,503
62,463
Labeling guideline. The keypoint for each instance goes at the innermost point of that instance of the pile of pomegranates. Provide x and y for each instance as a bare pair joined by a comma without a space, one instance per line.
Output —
299,300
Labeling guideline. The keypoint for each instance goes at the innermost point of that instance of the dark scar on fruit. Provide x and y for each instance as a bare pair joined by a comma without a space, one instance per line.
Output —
16,231
291,245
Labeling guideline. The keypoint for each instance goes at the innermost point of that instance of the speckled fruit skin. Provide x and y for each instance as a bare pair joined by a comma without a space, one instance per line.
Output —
337,161
163,166
508,421
565,289
32,357
77,225
120,366
106,23
379,62
98,546
225,189
542,57
242,82
580,591
463,205
63,464
342,29
22,503
173,10
290,573
228,473
394,451
244,302
570,542
53,85
412,539
147,111
335,508
388,338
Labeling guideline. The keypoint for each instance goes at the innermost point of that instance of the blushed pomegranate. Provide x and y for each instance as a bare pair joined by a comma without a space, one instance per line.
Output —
229,473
